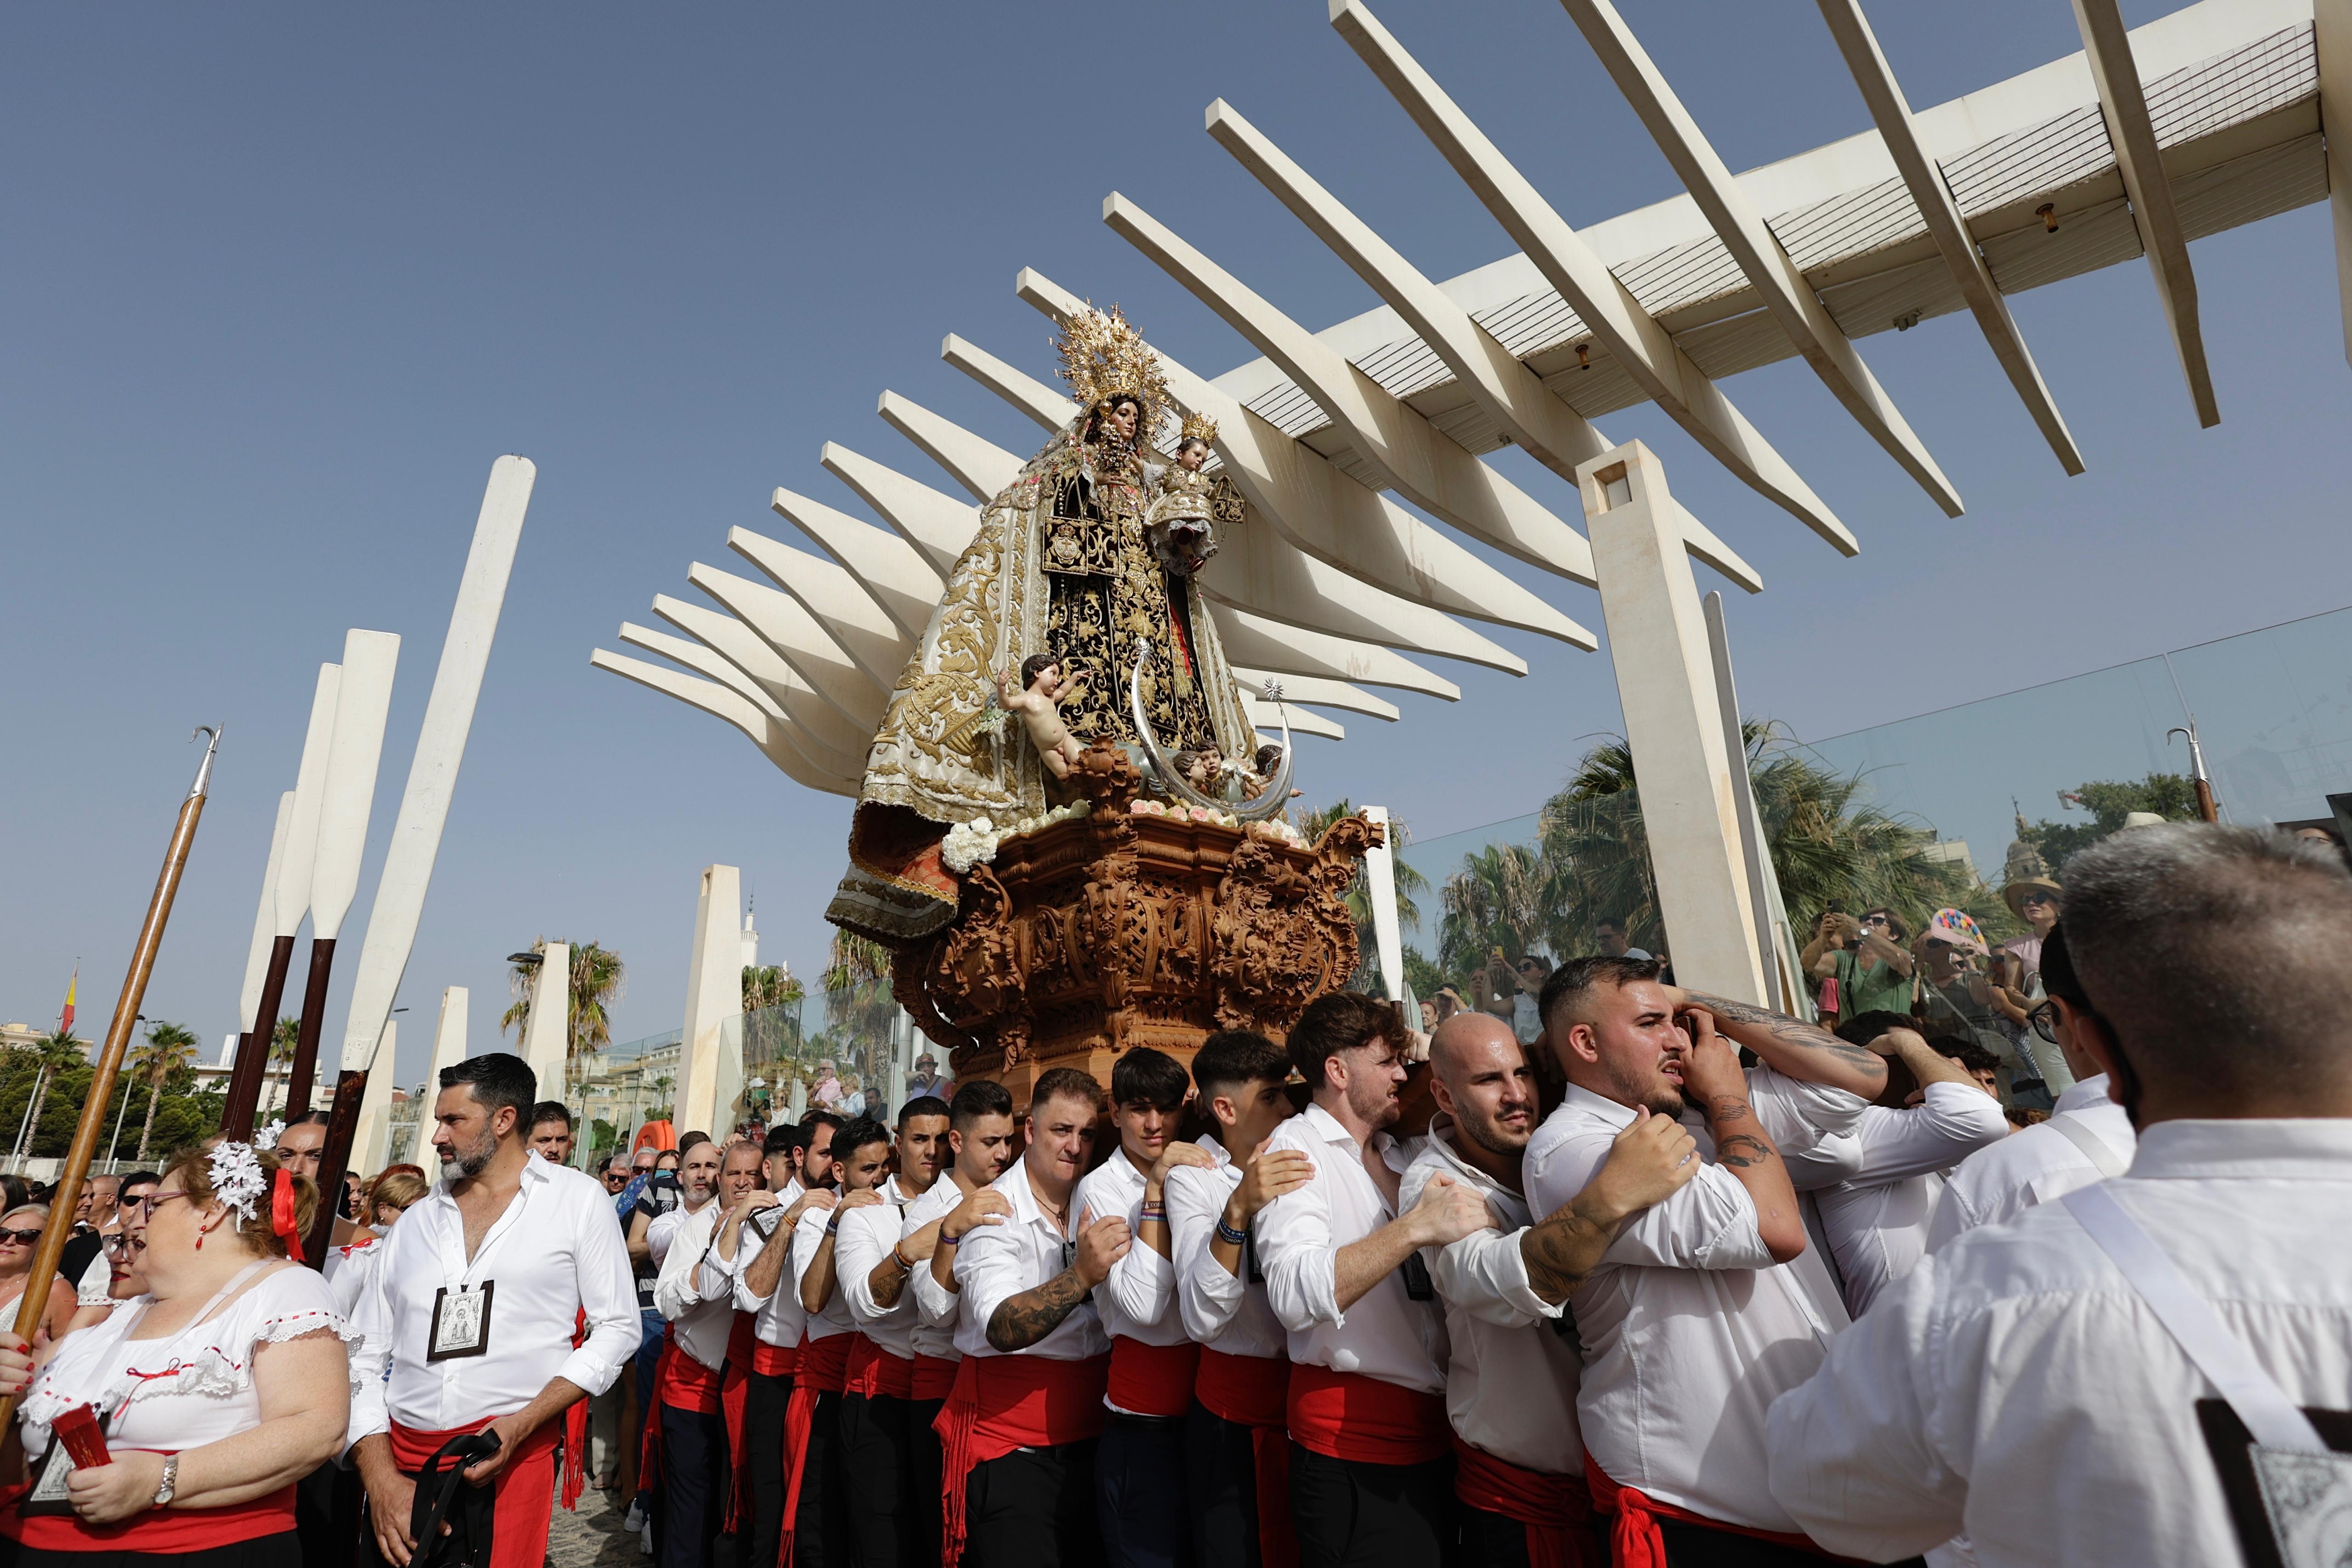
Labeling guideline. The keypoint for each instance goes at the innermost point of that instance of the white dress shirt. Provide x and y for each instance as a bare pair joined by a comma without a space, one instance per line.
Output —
997,1262
1137,1301
835,1317
2033,1165
1386,1335
553,1253
1876,1220
867,1235
2091,1091
776,1318
662,1229
1690,1328
2017,1386
1510,1385
699,1301
936,1307
1226,1312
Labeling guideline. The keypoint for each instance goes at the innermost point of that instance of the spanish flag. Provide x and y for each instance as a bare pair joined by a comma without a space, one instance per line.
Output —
65,1022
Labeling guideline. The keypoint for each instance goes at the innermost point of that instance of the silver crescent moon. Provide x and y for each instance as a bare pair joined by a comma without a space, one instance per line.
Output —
1264,808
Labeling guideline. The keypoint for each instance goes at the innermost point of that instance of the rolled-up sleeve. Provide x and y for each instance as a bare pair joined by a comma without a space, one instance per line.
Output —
987,1271
608,1295
1142,1283
1293,1235
1797,1115
748,1248
1850,1455
868,1234
935,1304
1485,1273
674,1290
1207,1296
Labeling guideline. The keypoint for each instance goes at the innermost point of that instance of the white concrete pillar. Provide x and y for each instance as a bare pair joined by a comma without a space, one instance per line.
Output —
714,993
449,1050
2331,41
371,1136
1665,683
1379,882
547,1029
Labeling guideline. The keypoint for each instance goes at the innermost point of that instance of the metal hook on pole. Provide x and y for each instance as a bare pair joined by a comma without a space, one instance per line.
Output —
2207,806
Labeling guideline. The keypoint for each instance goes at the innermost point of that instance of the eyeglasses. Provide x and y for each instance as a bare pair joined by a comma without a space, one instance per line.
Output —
124,1241
153,1200
2044,1019
21,1237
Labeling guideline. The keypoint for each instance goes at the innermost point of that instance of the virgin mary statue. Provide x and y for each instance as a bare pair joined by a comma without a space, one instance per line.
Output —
1061,566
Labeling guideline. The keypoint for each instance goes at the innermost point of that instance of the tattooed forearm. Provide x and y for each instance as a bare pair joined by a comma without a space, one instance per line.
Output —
1026,1319
1745,1024
1561,1251
1742,1149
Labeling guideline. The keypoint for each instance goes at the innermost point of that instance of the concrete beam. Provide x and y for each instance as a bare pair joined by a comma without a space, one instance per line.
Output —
2106,47
1751,245
1266,718
347,794
976,464
547,1027
1291,650
785,624
828,738
1626,332
725,702
1323,693
1031,397
2331,41
714,994
893,574
776,727
1924,178
831,594
1422,463
936,523
449,1050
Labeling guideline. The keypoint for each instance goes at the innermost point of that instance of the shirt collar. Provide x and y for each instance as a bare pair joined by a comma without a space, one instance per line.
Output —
1216,1149
1592,1104
2295,1148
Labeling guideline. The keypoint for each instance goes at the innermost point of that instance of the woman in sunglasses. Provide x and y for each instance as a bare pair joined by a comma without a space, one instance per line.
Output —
20,1237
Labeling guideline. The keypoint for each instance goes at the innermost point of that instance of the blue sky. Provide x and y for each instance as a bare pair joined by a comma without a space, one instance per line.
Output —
280,281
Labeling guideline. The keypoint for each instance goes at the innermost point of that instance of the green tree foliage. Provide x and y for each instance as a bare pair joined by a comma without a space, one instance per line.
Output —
859,1007
2171,796
597,980
168,1052
1409,883
772,1020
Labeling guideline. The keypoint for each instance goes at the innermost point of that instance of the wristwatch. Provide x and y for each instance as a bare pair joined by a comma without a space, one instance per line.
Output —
171,1482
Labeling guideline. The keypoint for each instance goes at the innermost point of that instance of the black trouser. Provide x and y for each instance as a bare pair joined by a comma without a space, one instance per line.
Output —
1351,1514
878,1469
764,1398
327,1512
1034,1507
821,1524
1221,1489
690,1504
923,1444
1139,1492
1491,1540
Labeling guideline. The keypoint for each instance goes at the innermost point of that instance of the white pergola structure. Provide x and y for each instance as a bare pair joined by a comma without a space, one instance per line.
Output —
1359,445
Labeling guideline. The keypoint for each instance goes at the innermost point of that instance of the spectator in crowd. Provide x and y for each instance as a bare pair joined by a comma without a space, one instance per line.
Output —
551,1131
1428,1015
1447,1002
1960,998
2039,902
928,1080
825,1092
2087,1138
1709,1301
300,1144
196,1467
93,1213
1862,963
2048,1387
853,1097
617,1174
663,1196
20,1237
1610,941
1932,1114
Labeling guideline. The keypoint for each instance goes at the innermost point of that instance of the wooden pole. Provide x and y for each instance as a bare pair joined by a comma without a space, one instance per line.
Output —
245,1079
87,1132
350,1087
304,1070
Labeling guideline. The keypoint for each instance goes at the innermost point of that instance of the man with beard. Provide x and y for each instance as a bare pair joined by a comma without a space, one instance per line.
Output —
693,1444
467,1325
878,1412
1510,1382
1708,1304
818,1532
551,1131
1370,1450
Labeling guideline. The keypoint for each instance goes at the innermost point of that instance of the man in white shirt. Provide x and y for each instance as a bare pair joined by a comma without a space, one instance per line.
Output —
878,1431
1017,1434
2049,1385
551,1131
473,1310
1874,1219
1371,1449
2087,1139
756,1255
1237,1438
696,1300
1707,1304
818,1530
1140,1462
1511,1378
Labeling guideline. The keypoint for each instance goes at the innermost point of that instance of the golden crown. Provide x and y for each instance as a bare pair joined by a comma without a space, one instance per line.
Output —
1104,358
1198,425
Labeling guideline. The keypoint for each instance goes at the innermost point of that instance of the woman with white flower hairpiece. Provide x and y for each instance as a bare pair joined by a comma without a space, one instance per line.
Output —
218,1390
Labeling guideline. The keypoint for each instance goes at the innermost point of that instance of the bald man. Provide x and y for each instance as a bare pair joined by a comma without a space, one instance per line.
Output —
1520,1478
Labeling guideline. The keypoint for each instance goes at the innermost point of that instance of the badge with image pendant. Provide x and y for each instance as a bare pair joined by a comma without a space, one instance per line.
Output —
461,1322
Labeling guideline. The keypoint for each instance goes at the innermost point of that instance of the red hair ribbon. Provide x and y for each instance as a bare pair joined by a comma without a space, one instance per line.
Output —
281,1213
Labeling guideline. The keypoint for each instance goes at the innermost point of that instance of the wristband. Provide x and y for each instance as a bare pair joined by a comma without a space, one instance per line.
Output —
1227,1233
833,1225
1153,1210
900,1259
947,1241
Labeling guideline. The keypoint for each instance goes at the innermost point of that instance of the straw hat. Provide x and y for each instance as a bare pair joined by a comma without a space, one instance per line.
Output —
2014,894
2143,819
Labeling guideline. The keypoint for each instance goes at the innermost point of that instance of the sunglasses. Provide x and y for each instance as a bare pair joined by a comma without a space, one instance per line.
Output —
21,1237
2044,1019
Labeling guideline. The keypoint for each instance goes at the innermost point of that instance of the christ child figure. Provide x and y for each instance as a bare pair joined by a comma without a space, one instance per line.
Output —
1036,700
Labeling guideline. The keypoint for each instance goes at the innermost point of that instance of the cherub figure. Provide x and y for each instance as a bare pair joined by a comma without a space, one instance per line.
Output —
1204,770
1036,700
1261,771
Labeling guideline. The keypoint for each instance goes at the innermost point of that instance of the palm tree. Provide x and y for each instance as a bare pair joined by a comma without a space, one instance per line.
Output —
53,1055
1407,882
596,980
169,1050
771,1020
859,1004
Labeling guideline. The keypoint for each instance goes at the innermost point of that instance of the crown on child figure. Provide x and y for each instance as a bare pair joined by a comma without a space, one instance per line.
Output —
1198,426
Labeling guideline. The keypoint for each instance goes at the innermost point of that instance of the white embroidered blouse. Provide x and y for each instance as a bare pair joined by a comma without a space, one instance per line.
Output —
196,1387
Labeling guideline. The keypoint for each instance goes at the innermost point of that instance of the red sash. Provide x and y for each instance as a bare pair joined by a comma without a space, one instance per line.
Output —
1001,1403
1345,1415
1556,1510
522,1495
821,1366
1254,1392
1152,1380
934,1378
734,1398
1635,1541
773,1361
684,1383
877,1373
157,1530
575,1426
